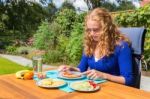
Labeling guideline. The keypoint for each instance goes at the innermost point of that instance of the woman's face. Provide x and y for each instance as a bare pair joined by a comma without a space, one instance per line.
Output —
93,28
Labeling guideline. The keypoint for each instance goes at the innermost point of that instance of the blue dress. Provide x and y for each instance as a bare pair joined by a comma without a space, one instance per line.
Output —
119,63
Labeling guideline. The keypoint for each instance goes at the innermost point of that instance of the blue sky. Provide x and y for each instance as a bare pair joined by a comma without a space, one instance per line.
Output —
58,2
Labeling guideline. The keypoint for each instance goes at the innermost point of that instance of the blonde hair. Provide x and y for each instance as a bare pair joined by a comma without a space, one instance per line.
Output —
109,38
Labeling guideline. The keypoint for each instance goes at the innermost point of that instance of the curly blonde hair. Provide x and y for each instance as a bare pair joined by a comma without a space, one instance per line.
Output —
109,37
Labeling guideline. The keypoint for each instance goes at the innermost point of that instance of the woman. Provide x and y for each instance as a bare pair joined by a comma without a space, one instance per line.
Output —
106,53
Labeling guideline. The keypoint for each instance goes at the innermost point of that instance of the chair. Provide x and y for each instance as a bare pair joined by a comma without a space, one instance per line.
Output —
136,36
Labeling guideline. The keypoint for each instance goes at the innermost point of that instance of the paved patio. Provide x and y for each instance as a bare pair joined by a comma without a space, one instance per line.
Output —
145,81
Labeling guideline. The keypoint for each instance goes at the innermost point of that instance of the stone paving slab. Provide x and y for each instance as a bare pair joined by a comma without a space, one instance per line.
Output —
145,81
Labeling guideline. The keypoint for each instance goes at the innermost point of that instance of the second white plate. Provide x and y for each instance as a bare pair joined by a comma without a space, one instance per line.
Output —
56,83
81,86
68,78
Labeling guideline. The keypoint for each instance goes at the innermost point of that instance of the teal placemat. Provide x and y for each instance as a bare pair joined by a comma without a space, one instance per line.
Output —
66,88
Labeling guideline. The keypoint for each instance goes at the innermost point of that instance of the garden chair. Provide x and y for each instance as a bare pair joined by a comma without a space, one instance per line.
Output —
136,36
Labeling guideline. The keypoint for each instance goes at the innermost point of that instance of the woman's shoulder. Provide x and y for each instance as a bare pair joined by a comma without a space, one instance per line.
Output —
122,45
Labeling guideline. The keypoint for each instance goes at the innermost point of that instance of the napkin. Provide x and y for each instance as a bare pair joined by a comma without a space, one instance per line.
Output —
66,88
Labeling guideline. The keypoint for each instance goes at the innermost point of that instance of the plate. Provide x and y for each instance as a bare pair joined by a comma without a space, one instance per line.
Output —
51,83
84,86
61,75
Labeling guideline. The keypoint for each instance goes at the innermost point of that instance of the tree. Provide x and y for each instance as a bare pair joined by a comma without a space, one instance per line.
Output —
51,10
65,17
67,5
110,6
21,18
125,5
93,3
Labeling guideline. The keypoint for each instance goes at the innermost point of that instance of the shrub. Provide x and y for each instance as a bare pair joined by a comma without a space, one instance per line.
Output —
65,18
24,50
62,44
74,48
11,49
52,56
43,39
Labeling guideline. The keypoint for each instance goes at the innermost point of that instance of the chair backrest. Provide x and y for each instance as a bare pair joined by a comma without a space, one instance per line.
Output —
136,36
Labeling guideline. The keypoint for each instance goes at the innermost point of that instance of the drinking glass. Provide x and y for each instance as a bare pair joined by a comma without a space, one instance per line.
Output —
37,64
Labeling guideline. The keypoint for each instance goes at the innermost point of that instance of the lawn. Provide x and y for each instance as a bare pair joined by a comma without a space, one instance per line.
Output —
8,67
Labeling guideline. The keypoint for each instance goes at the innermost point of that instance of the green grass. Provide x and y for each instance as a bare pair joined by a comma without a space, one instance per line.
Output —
8,67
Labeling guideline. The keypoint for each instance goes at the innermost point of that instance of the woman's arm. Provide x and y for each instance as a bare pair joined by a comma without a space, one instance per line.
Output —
125,63
94,74
118,79
83,65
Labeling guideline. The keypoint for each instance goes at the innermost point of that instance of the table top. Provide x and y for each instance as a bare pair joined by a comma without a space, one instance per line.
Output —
12,88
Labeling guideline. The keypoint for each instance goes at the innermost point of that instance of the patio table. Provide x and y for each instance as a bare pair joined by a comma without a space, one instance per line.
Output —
12,88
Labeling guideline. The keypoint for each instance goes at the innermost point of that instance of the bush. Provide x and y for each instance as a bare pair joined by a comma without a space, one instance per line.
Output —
52,56
11,49
62,38
61,27
62,44
24,50
43,39
65,18
74,48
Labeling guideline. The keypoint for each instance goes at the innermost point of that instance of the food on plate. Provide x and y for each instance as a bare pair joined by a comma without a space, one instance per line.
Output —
85,86
48,82
20,74
70,74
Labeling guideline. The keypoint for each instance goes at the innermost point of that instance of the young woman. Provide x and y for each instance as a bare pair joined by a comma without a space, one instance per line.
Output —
107,53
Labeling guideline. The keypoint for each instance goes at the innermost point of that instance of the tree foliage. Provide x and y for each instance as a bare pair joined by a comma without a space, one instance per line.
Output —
123,5
19,19
65,17
138,18
67,5
74,48
43,39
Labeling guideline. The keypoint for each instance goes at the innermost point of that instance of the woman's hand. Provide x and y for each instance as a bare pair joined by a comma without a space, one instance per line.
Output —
64,68
94,74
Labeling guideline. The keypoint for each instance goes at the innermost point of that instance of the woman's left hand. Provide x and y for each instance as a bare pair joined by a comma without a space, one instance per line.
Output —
95,75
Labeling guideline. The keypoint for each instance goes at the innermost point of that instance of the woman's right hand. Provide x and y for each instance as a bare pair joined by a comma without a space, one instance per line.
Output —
63,68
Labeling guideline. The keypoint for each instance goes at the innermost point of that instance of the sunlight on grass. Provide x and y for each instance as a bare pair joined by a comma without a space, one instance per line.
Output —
8,67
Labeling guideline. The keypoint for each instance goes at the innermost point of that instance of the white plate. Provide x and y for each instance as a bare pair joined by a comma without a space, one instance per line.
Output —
68,78
74,85
39,83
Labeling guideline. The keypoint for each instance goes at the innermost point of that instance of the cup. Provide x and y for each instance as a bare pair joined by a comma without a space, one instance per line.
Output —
37,64
41,75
